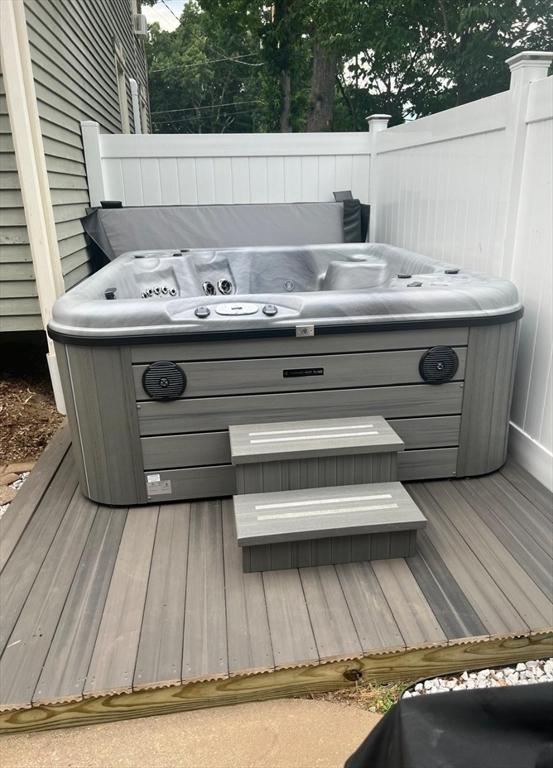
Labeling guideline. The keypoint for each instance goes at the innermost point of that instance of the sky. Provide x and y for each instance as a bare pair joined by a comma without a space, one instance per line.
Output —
161,12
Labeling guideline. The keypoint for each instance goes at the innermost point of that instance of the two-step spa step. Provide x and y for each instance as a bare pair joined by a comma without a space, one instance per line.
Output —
320,492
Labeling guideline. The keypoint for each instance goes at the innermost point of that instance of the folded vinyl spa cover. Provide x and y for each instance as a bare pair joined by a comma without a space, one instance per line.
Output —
119,230
509,727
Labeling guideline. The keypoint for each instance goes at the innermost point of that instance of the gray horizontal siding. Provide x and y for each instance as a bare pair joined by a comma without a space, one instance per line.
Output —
18,304
73,57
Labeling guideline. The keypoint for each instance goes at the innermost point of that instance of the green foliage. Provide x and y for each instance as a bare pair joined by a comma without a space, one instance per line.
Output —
229,63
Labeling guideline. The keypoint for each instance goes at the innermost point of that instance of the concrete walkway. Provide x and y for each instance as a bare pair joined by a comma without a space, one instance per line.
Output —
294,733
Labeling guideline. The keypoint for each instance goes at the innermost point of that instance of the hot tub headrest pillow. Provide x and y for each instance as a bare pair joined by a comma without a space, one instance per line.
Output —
118,230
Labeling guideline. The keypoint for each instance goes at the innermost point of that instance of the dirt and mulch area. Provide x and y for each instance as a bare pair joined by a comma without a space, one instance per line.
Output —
28,415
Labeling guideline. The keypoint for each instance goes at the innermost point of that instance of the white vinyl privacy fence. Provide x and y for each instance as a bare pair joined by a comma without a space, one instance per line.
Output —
471,185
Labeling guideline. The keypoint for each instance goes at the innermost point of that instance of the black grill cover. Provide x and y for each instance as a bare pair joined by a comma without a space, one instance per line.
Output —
509,727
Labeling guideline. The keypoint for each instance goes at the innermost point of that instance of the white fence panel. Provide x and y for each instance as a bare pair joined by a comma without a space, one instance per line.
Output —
238,168
532,271
441,184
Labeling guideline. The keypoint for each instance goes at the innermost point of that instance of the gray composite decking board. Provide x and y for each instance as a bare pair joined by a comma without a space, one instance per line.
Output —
66,666
114,657
530,602
372,617
205,639
274,347
340,371
248,635
291,632
314,513
457,617
331,621
414,616
214,413
518,509
539,496
22,660
255,443
22,508
203,448
21,569
493,607
159,658
536,561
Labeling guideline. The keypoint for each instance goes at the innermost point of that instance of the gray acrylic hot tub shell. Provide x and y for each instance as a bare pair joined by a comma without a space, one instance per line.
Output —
324,285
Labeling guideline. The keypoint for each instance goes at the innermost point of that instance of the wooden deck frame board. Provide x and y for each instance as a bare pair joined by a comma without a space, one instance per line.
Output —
406,665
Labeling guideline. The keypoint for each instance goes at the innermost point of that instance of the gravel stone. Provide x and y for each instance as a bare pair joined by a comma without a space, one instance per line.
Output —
530,673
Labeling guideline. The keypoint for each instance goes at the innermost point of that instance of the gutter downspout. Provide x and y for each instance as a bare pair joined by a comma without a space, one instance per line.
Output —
135,105
31,166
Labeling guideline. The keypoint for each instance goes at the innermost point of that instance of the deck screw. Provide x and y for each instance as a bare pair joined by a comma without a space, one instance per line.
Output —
353,675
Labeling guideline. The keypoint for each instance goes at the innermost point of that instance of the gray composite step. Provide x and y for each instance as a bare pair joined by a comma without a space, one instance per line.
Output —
254,443
323,526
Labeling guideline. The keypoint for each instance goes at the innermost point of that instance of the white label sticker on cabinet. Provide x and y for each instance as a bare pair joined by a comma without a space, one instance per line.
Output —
156,486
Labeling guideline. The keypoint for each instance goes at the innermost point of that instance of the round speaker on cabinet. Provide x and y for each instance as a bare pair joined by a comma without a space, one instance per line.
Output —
164,380
438,365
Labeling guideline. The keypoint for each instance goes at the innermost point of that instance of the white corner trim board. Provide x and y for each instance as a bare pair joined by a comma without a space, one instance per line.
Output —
533,456
31,166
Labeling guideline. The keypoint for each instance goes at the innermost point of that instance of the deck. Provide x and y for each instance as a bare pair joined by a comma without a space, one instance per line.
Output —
113,613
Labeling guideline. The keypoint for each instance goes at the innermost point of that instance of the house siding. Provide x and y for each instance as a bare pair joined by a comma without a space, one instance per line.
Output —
19,308
72,46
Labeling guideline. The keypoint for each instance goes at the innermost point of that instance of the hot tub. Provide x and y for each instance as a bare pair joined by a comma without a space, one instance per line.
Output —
161,351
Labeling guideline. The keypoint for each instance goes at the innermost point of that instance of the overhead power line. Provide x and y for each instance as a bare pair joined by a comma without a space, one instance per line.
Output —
208,106
237,59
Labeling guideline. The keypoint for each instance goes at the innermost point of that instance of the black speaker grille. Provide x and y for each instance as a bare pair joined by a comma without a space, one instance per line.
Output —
164,380
438,365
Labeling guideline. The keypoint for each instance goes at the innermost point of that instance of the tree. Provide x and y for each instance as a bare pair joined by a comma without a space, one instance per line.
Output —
240,65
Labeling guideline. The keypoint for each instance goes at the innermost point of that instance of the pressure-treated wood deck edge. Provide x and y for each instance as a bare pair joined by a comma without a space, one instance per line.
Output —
403,666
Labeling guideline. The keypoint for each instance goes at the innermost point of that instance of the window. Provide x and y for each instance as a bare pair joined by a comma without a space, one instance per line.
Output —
122,88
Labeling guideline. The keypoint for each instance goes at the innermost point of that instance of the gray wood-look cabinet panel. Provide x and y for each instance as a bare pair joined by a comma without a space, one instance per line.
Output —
487,398
203,448
216,413
291,374
220,481
311,345
321,472
98,391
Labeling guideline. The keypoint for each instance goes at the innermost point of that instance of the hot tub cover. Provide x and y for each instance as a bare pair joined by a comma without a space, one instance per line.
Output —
509,727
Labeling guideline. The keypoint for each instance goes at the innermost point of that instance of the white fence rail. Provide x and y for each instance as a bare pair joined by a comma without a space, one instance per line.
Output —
471,185
239,168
